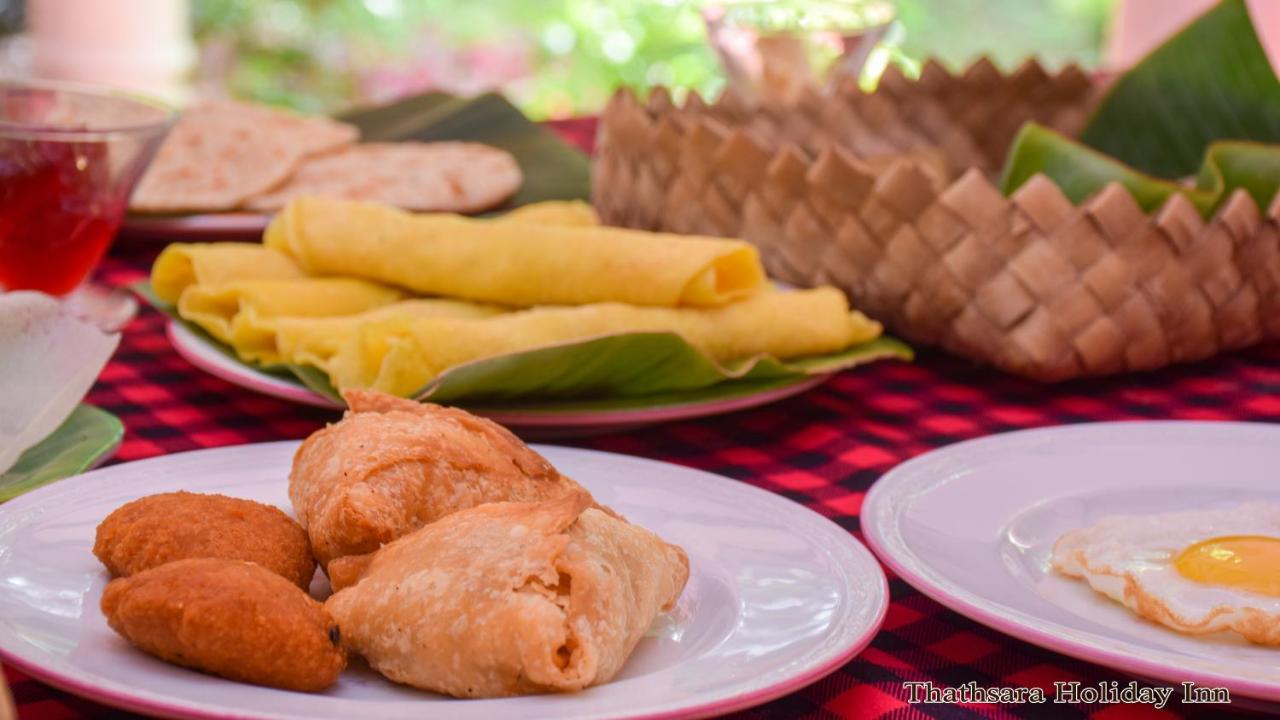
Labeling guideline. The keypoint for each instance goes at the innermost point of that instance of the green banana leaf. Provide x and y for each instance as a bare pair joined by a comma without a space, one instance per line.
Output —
552,169
628,365
1081,171
1211,81
610,372
86,437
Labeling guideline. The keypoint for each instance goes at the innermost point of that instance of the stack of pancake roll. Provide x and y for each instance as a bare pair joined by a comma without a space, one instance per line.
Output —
378,298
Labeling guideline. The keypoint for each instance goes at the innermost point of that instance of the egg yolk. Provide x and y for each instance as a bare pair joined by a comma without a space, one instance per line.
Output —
1246,562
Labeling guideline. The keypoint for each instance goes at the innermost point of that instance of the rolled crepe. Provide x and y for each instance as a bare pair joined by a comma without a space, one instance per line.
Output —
182,265
401,356
511,598
511,262
566,213
266,338
392,465
218,308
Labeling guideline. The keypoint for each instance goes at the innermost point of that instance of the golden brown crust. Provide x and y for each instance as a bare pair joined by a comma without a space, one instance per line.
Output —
393,465
510,598
159,529
229,618
347,570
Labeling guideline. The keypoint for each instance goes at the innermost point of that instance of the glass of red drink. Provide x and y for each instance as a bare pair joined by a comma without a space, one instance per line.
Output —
69,158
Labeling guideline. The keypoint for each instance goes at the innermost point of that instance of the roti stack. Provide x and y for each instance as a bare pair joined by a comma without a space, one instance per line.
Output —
427,177
221,153
227,155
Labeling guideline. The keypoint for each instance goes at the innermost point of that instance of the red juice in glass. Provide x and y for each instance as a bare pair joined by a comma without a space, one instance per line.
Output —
69,157
55,219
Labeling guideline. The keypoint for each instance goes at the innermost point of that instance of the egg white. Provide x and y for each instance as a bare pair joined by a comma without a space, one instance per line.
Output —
1130,559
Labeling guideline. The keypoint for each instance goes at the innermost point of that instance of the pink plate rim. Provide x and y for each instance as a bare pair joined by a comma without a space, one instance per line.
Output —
208,360
206,226
720,706
712,709
1062,643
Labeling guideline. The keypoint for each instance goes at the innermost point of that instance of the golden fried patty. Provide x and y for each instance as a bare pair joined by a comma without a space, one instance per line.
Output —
229,618
158,529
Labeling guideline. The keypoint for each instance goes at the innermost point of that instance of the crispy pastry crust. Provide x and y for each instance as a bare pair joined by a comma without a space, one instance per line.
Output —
510,598
393,465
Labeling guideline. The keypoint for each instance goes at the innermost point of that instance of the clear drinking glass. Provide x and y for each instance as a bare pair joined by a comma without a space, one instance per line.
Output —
772,50
69,158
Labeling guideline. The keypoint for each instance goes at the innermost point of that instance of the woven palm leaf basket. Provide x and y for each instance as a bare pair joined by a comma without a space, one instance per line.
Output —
892,196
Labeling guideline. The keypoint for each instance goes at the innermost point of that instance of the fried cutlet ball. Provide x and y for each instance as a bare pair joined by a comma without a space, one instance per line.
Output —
159,529
228,618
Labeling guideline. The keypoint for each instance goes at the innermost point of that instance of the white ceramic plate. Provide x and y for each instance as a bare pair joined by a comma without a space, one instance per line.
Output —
539,422
777,598
972,525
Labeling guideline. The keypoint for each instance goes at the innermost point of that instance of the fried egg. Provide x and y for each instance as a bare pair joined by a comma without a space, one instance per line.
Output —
1197,572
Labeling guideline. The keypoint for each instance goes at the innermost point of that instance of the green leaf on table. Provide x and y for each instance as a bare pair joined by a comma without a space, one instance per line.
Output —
398,120
610,372
83,439
1211,81
1081,171
553,170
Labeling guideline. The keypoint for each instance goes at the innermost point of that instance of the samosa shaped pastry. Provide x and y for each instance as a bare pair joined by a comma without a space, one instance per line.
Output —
393,465
510,598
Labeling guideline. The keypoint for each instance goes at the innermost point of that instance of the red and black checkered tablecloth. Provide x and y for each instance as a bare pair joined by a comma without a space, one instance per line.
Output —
823,449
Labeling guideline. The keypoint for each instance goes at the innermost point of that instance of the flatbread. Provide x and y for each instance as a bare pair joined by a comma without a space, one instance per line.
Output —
427,177
220,153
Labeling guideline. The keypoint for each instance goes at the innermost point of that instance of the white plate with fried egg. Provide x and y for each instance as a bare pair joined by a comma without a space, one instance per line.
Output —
1171,554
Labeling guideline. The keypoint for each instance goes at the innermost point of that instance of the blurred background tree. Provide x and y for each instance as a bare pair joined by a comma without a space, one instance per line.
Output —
559,57
552,57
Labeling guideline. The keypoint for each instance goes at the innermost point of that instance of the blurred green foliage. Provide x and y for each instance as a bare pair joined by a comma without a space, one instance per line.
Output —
559,57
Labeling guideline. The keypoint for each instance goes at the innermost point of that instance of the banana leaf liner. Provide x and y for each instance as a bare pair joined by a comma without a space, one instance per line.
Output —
609,372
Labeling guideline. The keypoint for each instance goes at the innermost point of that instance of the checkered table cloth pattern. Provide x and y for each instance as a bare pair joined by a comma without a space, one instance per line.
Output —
823,449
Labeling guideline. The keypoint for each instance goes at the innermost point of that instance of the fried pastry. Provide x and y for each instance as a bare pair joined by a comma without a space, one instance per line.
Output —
158,529
229,618
393,465
510,598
